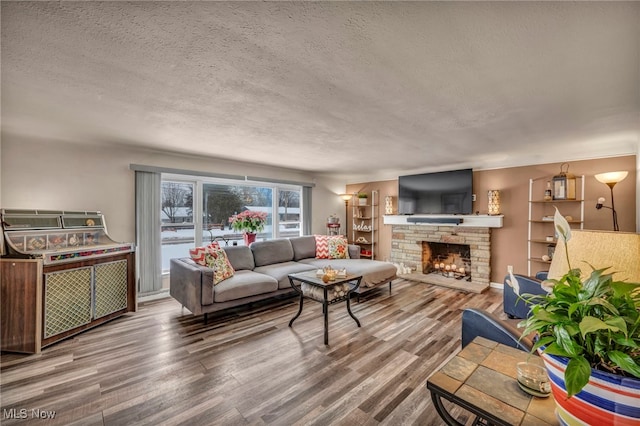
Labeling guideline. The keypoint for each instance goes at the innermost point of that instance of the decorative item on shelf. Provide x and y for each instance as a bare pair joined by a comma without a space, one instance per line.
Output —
494,202
388,204
547,192
362,240
587,336
362,198
550,251
362,227
564,184
610,179
249,223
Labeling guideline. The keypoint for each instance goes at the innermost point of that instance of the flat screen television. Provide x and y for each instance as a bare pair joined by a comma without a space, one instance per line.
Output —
436,193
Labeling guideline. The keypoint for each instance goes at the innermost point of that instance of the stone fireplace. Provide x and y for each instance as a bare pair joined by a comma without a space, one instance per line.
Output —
421,247
446,259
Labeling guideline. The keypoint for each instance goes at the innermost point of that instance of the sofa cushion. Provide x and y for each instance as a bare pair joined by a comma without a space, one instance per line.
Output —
279,271
303,247
240,257
272,251
217,260
373,272
244,284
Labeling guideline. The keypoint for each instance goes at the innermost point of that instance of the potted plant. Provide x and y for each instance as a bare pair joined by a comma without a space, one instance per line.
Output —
249,223
362,198
588,334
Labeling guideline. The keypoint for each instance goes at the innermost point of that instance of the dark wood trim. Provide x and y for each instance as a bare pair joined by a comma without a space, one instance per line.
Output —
21,295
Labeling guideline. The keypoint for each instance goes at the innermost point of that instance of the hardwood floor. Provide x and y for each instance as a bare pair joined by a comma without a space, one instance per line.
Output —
159,366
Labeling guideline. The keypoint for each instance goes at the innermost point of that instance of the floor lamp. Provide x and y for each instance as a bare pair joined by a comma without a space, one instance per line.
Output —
610,179
346,198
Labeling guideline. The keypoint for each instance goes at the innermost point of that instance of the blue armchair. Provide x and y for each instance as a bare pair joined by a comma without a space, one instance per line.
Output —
515,307
477,322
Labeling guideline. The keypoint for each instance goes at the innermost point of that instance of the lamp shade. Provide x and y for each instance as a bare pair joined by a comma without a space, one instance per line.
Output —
346,197
611,177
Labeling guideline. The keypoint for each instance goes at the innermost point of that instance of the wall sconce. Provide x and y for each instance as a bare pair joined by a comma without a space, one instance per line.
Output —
494,202
388,204
564,184
610,179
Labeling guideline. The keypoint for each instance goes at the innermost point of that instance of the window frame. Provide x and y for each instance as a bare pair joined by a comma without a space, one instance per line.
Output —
198,183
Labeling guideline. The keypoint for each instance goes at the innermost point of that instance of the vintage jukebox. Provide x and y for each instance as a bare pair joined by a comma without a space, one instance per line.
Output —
61,274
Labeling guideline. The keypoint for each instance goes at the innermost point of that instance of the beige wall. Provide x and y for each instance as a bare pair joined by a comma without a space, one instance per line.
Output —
509,243
57,175
38,174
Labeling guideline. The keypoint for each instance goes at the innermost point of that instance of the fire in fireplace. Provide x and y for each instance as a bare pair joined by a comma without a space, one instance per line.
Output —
447,259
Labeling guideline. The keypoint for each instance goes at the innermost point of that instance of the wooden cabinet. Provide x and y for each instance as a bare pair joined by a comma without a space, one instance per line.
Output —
542,238
364,230
61,274
21,313
42,305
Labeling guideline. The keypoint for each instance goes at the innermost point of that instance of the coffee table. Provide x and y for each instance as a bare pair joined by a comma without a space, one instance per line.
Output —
324,295
482,379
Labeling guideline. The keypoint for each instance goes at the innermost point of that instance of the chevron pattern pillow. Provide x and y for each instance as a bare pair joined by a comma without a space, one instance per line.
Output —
198,254
331,247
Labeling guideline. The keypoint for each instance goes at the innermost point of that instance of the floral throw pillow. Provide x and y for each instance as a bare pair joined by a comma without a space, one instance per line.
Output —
198,253
217,260
331,247
338,248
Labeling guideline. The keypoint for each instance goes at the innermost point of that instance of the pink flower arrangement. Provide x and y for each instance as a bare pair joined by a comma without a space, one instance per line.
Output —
248,221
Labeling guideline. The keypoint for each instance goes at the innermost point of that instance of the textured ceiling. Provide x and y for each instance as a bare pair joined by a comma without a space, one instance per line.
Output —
369,88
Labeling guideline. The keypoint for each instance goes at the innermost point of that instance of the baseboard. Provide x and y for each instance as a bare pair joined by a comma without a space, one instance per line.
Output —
154,296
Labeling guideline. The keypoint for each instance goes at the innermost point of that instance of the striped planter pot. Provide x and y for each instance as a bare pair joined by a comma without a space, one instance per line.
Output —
606,400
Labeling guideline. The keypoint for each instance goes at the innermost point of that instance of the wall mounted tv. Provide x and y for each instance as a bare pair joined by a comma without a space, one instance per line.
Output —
436,193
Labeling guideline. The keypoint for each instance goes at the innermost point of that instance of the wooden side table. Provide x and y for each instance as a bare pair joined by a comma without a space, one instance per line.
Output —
482,379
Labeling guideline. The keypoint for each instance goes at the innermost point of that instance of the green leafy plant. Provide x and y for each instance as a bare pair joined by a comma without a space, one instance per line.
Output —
594,322
363,195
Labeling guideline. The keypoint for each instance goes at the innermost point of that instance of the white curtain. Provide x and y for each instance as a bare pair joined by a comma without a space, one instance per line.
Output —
148,238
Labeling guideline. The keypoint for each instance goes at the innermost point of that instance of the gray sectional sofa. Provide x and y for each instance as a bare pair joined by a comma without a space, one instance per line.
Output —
261,272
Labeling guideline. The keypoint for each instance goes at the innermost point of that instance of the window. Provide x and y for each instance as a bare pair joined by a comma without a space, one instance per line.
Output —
221,201
196,211
178,228
289,213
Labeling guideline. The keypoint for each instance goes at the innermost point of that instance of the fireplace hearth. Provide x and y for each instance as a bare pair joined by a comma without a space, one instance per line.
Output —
444,255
